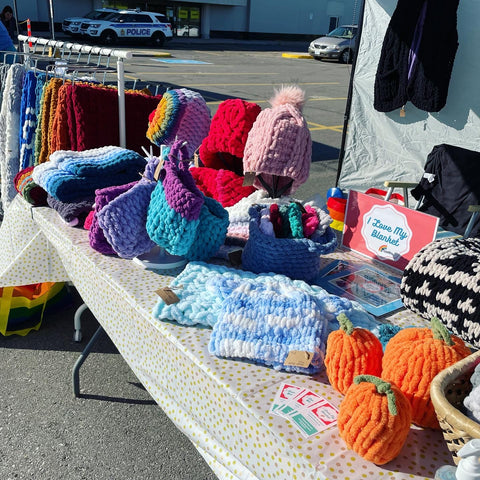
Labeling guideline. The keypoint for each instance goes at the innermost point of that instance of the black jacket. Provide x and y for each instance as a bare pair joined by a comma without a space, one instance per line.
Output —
427,87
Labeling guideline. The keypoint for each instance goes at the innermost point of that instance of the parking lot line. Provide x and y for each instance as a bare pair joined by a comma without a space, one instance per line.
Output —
315,126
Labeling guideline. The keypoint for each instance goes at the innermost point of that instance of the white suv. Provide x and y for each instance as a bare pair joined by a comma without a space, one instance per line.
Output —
71,25
131,25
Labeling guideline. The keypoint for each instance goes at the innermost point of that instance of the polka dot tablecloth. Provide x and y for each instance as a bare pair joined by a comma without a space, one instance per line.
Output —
221,405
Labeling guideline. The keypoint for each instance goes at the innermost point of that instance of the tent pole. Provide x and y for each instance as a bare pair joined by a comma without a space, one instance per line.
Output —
348,105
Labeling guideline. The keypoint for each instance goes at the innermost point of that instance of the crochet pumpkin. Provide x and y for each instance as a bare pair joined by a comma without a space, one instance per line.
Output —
351,352
374,419
413,357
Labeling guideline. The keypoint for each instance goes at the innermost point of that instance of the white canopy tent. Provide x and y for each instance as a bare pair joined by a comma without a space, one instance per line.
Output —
385,146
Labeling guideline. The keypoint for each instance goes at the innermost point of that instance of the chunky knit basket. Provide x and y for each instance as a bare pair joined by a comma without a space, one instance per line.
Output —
442,280
447,391
298,258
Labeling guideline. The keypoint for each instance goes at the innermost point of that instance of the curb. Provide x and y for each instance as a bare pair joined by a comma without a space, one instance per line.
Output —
147,53
297,55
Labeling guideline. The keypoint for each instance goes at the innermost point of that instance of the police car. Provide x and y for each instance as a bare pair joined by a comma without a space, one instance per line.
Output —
71,25
131,25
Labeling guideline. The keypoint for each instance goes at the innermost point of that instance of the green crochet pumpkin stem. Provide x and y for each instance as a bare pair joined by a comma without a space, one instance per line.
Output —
345,323
383,388
440,332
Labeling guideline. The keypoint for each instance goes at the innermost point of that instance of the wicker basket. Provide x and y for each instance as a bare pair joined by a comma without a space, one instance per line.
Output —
448,390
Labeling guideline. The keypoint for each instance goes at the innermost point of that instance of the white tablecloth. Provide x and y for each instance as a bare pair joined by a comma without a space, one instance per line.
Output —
221,405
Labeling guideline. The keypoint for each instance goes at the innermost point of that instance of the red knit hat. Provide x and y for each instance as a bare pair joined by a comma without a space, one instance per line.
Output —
224,145
224,186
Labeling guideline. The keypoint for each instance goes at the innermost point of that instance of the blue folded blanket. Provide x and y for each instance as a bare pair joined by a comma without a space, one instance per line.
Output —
71,176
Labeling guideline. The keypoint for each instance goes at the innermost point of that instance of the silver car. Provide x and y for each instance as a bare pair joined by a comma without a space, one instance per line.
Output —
339,44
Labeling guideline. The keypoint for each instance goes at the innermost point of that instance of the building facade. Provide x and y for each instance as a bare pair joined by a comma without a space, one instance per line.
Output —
235,18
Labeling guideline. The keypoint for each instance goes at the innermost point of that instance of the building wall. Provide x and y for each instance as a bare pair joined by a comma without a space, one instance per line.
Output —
266,16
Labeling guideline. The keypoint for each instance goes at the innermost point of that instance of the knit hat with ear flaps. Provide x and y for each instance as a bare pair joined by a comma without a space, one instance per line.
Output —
225,143
279,146
181,114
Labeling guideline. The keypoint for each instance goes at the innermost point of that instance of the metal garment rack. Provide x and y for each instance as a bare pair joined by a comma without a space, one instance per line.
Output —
66,50
63,67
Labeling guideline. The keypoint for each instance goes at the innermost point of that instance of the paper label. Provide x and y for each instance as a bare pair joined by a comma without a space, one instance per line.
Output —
298,358
167,295
249,179
158,169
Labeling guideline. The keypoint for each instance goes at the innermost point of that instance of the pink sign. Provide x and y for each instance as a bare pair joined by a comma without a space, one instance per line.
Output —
385,231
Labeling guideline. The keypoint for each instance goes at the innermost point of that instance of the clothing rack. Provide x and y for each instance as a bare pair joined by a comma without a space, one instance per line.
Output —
65,51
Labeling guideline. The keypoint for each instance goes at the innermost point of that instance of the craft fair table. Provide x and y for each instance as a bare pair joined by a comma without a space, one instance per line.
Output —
221,405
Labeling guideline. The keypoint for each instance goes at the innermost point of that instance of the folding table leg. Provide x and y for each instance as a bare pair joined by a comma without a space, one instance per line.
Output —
83,356
77,323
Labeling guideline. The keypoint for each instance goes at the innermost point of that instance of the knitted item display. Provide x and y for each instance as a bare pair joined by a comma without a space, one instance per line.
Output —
224,145
180,218
97,105
202,289
222,185
279,145
73,213
412,359
374,419
102,197
72,176
417,56
263,322
9,132
28,119
39,106
181,114
296,257
442,281
123,220
28,189
50,97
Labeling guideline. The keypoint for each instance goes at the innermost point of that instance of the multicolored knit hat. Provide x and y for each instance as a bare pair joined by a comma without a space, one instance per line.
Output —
181,114
279,145
225,143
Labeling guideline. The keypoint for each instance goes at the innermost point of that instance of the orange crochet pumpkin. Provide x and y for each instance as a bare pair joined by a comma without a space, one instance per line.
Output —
413,357
374,419
351,352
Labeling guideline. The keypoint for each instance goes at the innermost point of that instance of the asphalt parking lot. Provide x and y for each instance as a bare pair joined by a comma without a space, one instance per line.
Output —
252,71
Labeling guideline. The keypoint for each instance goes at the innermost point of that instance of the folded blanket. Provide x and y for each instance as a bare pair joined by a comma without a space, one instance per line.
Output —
202,289
265,321
28,189
72,213
72,176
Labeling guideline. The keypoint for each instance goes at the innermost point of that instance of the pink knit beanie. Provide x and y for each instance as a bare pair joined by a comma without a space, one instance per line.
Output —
279,146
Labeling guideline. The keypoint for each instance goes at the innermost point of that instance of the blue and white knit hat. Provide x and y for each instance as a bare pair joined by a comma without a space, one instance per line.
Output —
264,322
202,288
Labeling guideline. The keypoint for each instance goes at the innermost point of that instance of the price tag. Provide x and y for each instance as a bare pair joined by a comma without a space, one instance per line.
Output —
297,358
167,295
249,179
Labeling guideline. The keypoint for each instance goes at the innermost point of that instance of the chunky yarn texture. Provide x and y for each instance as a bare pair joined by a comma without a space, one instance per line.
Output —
9,132
123,220
224,145
102,197
181,114
202,289
264,321
72,176
443,280
279,145
298,258
28,119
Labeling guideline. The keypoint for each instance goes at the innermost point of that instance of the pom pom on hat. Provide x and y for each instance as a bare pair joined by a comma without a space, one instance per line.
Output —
224,145
279,145
181,114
